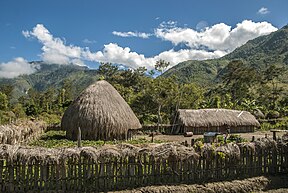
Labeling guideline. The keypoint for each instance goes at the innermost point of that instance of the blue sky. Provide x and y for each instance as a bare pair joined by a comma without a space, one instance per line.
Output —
129,32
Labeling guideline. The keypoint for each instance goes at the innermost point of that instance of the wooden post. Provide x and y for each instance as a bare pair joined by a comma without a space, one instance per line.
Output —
159,118
253,138
274,135
79,137
186,143
192,142
1,174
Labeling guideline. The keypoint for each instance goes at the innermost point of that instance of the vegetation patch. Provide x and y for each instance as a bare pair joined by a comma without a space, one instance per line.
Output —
53,139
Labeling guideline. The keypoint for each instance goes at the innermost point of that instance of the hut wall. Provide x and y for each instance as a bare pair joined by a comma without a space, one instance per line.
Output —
202,130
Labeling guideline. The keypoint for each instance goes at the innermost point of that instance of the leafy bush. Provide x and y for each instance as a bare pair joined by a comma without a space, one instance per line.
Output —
231,138
273,114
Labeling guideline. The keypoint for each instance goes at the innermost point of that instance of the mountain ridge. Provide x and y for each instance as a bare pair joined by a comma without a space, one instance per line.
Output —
259,53
51,75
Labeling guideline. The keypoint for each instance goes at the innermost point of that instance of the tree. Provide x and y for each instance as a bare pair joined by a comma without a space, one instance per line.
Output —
3,101
6,89
18,110
239,79
161,65
270,92
107,70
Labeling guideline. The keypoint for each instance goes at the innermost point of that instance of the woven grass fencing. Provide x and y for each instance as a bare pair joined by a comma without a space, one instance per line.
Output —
124,166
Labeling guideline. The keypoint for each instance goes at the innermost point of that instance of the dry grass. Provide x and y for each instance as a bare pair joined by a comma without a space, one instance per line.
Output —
170,151
21,132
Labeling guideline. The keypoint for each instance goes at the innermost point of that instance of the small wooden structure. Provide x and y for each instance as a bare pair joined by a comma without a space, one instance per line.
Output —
215,120
274,131
210,137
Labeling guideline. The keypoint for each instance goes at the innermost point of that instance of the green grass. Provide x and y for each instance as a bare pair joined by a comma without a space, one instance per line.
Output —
54,139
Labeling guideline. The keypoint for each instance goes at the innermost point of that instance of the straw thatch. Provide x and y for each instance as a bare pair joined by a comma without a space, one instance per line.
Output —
104,154
21,132
101,113
216,118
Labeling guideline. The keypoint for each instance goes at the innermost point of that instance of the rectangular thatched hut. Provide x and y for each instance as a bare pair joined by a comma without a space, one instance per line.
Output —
215,120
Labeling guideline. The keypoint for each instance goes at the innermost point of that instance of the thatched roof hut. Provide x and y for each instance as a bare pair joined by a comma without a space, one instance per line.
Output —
101,113
218,120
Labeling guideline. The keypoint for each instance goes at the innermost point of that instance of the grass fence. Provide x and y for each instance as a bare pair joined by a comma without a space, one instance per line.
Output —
85,174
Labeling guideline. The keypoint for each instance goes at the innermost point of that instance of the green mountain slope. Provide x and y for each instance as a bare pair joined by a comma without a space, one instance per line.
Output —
260,52
52,75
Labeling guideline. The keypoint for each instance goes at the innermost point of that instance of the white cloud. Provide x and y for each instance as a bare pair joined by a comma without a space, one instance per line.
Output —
175,57
263,11
16,67
54,49
132,34
211,42
87,41
218,37
116,54
26,34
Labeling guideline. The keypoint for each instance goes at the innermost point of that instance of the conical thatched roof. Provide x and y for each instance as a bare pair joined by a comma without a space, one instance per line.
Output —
216,118
101,113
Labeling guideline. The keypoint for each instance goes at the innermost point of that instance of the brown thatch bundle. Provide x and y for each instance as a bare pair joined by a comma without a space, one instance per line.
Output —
21,132
106,153
285,137
174,151
128,150
265,144
231,150
216,118
208,151
250,146
101,113
7,151
30,155
259,145
69,153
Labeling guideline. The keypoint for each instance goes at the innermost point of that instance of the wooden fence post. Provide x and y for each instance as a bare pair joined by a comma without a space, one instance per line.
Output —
79,137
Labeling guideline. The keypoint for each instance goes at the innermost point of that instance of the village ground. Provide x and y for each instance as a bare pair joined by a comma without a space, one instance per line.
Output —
181,138
260,184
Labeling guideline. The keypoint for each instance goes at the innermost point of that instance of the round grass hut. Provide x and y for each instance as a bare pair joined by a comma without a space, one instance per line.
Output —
101,113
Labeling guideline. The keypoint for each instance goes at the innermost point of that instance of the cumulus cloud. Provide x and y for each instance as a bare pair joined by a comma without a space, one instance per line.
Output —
211,42
175,57
16,67
54,49
263,11
87,41
118,55
132,34
219,37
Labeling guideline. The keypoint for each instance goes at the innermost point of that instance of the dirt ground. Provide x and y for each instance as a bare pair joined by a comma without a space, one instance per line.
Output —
261,184
181,138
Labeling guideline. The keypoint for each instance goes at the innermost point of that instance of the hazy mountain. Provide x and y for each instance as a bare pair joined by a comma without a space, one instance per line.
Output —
52,75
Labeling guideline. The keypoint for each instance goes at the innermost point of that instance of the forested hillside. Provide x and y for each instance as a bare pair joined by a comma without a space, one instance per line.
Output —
259,53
